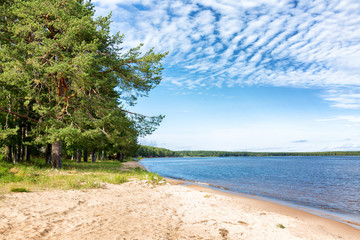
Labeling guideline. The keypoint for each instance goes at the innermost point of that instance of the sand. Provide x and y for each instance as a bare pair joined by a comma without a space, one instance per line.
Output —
140,210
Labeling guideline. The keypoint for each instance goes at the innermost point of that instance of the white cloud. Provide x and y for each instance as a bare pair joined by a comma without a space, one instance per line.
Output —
342,147
348,118
227,42
344,98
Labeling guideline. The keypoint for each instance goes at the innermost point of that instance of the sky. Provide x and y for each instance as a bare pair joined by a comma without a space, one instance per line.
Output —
249,75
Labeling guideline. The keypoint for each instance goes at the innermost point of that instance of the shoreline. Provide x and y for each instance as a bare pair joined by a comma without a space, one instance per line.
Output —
267,205
311,210
171,210
285,207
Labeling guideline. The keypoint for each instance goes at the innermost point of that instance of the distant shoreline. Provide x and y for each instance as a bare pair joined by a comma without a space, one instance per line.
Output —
150,151
267,154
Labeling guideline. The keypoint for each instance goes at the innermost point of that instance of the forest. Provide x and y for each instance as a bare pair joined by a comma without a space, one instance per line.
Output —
262,154
149,151
66,84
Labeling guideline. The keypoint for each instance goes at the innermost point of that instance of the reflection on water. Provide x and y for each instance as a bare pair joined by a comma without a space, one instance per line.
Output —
326,183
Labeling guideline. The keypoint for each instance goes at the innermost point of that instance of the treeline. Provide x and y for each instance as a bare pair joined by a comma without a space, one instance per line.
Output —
64,82
262,154
147,151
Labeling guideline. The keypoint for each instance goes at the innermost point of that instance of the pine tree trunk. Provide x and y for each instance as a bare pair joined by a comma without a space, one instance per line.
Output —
26,147
78,155
56,155
48,154
19,147
16,154
93,156
22,153
120,156
27,153
85,155
13,152
28,131
8,153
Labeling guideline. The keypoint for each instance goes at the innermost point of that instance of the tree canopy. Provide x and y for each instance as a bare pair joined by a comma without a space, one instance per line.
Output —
65,79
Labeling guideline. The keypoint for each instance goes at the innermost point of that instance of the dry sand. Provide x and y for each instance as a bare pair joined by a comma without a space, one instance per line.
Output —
140,210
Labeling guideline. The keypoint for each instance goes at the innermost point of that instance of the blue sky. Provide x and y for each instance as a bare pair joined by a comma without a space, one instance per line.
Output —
249,75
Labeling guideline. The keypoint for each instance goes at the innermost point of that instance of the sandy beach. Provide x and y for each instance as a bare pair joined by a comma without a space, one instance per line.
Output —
141,210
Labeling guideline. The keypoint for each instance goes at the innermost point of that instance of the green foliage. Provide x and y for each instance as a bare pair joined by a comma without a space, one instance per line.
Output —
8,133
261,154
19,190
64,77
149,151
3,171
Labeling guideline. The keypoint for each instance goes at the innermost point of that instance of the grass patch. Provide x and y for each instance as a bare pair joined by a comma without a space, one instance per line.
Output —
280,226
19,190
149,176
39,176
119,178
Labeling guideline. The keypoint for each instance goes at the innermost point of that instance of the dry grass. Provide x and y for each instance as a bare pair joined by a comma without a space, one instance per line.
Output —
38,176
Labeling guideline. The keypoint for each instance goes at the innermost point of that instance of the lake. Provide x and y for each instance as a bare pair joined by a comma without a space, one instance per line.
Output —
326,185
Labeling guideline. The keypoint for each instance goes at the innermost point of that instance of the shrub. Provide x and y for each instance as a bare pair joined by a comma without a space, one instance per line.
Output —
3,171
19,190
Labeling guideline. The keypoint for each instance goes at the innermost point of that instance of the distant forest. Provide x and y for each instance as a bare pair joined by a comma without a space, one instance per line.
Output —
149,151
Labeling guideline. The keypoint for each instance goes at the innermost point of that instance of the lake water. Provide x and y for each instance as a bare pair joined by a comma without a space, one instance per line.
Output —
326,185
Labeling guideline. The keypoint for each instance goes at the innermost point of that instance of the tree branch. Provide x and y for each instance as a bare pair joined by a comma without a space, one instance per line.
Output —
138,114
17,114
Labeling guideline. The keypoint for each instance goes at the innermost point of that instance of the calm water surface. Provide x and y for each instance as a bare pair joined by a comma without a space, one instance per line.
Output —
325,185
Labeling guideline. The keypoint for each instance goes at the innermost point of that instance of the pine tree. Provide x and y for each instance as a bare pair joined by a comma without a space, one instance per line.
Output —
72,75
